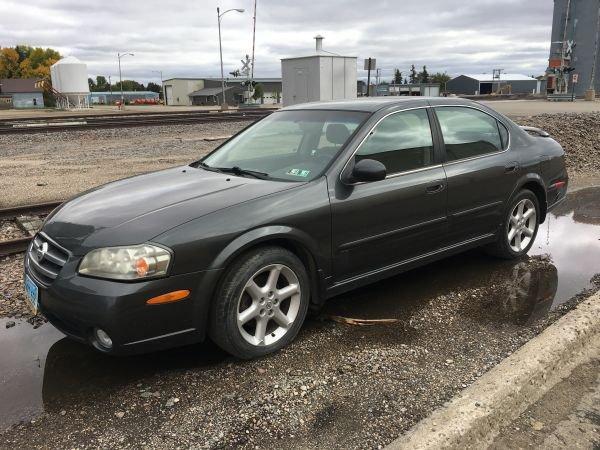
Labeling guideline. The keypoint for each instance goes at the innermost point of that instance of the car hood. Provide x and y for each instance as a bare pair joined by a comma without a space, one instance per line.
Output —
136,209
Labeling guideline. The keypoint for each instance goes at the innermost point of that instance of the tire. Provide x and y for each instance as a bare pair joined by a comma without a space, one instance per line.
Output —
270,312
523,230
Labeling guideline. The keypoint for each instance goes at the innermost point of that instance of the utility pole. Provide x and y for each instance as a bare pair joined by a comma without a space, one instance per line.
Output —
219,15
119,56
253,41
162,85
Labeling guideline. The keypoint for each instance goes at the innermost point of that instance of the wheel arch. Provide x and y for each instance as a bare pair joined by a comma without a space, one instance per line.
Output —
535,184
293,240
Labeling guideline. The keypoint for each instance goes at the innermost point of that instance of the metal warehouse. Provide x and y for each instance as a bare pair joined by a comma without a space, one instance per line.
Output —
207,91
481,84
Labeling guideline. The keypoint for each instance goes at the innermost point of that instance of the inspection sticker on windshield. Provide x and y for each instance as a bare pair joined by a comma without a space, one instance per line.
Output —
299,172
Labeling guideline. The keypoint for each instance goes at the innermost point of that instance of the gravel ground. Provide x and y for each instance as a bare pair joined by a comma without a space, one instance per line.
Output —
42,167
579,135
10,230
54,166
337,386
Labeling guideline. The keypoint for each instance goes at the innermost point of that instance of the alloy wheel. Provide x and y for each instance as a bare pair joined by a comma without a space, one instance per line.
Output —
268,305
522,225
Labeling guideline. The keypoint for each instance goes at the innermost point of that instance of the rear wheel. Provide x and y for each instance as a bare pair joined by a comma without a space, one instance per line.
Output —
520,227
261,303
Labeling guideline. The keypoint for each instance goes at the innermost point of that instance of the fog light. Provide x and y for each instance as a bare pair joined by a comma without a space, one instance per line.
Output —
102,338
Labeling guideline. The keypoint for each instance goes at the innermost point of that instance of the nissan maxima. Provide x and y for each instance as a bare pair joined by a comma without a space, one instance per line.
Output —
309,202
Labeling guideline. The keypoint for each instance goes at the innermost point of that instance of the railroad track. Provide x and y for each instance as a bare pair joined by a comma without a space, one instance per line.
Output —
13,246
68,123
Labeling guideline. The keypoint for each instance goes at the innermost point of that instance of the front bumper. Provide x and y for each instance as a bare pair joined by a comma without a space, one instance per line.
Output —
76,305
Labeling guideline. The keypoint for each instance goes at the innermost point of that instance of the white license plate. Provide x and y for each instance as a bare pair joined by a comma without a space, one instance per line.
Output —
32,293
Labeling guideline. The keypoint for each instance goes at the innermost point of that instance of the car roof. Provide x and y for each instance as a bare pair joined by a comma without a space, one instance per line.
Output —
372,104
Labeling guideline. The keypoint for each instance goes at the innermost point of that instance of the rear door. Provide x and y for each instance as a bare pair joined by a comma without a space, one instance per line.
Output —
481,170
379,224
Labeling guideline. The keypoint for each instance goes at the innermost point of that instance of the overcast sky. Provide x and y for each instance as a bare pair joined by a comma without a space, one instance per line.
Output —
180,37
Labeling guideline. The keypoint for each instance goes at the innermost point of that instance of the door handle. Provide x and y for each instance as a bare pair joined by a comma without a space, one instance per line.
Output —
511,168
436,187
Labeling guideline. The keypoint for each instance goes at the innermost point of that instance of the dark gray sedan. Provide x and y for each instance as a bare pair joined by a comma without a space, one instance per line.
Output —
310,202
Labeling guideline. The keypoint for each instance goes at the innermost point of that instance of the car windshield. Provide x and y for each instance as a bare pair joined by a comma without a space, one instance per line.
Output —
287,145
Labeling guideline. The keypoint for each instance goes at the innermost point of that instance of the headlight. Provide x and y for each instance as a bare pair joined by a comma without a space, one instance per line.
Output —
126,263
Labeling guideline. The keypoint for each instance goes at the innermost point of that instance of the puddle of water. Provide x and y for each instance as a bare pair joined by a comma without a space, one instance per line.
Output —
22,362
41,370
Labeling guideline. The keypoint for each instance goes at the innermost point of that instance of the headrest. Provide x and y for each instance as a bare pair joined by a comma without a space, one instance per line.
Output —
337,133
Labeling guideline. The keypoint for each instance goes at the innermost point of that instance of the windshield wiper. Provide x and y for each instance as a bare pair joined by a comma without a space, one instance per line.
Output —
236,170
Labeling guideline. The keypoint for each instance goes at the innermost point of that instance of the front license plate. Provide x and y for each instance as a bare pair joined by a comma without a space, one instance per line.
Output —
32,293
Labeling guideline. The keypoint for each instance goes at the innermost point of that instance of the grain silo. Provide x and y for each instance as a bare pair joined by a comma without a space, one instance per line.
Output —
70,79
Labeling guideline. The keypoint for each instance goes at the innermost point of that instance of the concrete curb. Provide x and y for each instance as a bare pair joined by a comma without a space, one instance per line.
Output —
473,418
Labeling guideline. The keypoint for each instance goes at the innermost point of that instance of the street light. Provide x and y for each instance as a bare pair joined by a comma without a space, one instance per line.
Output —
119,56
162,86
219,15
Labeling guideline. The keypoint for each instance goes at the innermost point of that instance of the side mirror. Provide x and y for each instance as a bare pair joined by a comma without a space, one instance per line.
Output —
367,170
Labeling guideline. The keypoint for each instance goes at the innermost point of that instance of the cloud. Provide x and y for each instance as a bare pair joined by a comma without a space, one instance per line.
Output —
180,38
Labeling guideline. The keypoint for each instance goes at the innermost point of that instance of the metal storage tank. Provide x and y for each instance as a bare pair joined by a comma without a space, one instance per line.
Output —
70,78
321,76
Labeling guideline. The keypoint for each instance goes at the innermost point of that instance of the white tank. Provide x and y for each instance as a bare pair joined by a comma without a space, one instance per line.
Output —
70,76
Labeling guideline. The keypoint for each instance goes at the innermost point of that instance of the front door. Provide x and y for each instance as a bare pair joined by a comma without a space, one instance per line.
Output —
380,224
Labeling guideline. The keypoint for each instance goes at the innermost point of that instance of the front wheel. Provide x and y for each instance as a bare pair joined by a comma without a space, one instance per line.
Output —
261,303
520,227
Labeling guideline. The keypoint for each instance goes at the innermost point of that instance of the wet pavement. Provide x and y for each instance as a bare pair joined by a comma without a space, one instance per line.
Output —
462,315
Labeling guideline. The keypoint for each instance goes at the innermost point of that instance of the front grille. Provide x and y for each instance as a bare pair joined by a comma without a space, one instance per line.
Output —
45,258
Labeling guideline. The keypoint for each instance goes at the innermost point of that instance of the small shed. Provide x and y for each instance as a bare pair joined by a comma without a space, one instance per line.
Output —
320,76
21,93
482,84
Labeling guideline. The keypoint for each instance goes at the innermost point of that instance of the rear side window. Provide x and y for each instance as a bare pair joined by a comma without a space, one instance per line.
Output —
402,141
503,135
468,132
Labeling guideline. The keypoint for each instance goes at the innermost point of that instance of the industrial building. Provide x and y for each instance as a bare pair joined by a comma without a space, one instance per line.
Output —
482,84
130,97
21,93
574,47
320,76
207,91
412,89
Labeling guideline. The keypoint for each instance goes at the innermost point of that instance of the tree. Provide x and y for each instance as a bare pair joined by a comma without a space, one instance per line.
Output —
424,75
397,77
102,84
413,77
129,85
441,79
24,61
9,63
153,87
92,84
259,92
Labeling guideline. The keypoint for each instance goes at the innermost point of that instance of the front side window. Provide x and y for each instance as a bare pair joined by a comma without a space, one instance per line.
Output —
468,132
288,145
402,141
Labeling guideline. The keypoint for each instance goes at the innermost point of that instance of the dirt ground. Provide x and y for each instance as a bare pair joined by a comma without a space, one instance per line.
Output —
43,167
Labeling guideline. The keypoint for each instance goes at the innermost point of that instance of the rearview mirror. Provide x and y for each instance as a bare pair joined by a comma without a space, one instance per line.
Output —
367,170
